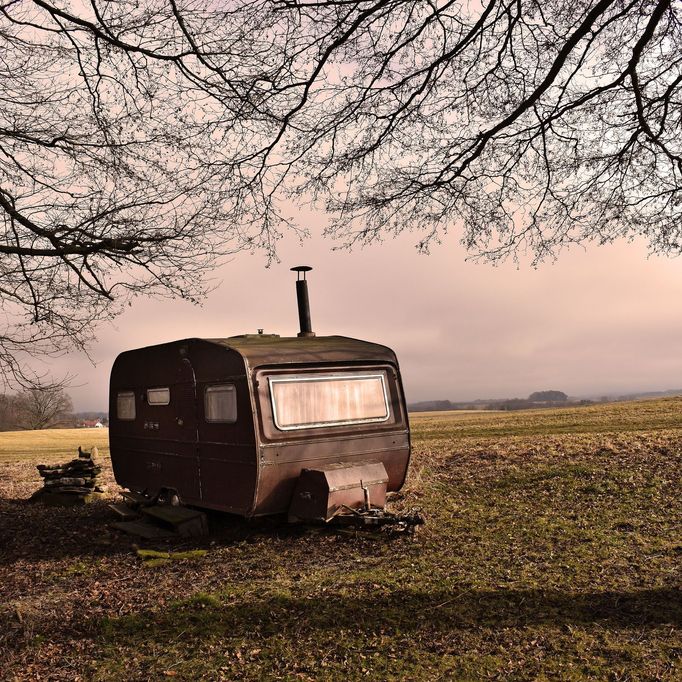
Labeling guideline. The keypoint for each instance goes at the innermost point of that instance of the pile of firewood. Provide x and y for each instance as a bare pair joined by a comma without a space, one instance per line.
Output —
75,482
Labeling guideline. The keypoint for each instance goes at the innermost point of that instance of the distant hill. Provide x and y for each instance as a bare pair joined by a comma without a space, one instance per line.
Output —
548,397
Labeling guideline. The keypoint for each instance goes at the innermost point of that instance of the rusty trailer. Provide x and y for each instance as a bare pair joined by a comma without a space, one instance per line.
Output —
259,424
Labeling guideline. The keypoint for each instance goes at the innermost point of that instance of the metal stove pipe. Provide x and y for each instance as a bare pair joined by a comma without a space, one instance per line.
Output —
303,301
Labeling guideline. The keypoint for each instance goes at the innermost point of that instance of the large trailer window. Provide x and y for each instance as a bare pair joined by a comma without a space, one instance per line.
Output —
125,405
306,402
220,403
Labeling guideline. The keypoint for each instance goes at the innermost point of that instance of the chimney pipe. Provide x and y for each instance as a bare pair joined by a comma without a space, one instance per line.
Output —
303,302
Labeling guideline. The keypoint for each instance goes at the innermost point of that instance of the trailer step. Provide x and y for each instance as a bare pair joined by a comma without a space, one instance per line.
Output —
135,500
125,512
185,522
141,529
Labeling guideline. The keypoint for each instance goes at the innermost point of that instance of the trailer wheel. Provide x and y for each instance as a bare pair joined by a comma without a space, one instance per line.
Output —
168,496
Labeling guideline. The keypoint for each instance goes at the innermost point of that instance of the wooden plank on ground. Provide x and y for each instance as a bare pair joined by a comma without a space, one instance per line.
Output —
187,522
124,511
143,530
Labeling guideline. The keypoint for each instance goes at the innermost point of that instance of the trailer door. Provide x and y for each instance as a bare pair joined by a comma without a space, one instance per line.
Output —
226,444
184,471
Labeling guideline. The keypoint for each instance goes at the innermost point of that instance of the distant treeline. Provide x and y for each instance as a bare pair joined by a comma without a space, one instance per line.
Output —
538,399
534,400
91,418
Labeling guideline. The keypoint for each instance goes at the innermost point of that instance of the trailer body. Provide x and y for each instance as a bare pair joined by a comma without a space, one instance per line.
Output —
229,424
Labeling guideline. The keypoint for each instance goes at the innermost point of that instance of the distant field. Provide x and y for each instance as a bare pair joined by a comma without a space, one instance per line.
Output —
50,443
552,551
637,415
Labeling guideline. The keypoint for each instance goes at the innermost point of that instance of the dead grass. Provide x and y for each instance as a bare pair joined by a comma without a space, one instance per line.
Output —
552,550
640,415
50,444
449,413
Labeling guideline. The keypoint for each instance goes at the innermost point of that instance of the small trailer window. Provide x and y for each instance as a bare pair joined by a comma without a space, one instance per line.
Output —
158,396
306,402
220,403
125,405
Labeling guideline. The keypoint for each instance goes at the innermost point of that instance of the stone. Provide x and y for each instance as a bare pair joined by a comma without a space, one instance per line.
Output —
68,499
73,483
65,481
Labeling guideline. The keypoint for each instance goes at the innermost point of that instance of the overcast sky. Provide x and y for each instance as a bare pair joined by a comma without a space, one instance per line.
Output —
603,320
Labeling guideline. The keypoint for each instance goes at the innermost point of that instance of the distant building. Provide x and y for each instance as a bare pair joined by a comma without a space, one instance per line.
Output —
90,424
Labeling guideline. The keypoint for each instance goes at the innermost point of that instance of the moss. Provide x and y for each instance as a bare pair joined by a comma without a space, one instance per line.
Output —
152,558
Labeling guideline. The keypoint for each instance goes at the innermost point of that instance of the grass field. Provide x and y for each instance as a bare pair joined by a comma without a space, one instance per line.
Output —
552,550
50,445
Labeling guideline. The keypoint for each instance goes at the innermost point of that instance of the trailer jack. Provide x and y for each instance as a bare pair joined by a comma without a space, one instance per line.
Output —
377,519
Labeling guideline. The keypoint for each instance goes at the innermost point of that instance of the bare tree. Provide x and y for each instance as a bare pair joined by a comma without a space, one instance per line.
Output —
43,407
139,141
116,138
11,412
533,125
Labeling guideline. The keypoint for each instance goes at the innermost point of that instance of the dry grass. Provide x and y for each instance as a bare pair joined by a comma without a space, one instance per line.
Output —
449,413
51,444
552,551
641,415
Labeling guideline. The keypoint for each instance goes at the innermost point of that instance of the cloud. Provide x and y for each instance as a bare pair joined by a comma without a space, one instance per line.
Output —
596,321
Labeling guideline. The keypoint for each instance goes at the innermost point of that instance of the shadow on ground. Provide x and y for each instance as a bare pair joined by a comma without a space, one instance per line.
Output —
403,611
34,532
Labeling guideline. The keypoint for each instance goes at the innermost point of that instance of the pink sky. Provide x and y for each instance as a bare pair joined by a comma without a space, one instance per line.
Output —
604,320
